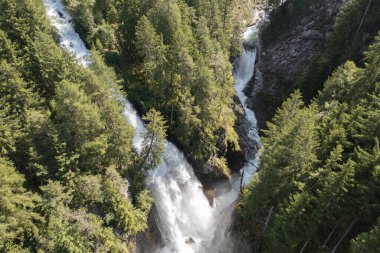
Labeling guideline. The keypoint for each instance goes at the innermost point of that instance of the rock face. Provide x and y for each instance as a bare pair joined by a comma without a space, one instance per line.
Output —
150,240
248,146
237,159
210,194
283,58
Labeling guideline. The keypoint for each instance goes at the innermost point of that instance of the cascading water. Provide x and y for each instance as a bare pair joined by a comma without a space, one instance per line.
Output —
188,223
70,40
243,74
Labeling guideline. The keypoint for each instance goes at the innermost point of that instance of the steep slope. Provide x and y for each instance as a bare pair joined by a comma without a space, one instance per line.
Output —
64,144
317,189
304,42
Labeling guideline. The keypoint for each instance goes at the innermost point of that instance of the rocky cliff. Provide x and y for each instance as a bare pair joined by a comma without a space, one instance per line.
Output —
296,33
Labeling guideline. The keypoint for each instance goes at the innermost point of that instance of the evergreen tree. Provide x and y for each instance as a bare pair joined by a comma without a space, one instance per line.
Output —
19,222
333,199
152,51
79,124
367,242
154,139
62,134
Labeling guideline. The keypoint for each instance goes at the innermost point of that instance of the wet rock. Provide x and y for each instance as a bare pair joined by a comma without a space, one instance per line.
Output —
210,194
190,240
237,159
60,14
150,240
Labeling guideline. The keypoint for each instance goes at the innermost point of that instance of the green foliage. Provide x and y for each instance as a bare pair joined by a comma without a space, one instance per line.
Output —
154,139
318,183
68,230
151,50
367,242
219,16
118,210
287,164
356,26
88,190
79,124
18,221
64,142
14,102
335,88
176,56
83,17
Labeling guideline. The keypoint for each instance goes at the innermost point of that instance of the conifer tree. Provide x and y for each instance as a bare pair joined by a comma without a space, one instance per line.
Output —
19,222
154,139
79,124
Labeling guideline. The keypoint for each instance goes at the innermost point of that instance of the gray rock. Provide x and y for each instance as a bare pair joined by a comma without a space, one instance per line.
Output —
285,57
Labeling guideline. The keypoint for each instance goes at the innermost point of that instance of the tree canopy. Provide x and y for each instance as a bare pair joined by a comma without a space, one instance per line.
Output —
65,147
318,185
175,58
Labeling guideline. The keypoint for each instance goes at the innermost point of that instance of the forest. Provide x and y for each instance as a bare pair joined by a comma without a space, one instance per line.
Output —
72,181
65,148
317,189
174,56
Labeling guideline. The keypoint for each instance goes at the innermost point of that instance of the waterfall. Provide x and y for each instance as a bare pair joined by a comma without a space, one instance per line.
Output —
187,221
70,40
243,74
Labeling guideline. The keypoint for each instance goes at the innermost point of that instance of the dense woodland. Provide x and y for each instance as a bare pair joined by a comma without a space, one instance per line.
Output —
65,148
66,151
318,187
175,57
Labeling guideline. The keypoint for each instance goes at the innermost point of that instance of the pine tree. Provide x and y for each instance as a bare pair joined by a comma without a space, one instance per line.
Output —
152,51
19,222
63,131
154,139
79,124
367,242
333,198
287,166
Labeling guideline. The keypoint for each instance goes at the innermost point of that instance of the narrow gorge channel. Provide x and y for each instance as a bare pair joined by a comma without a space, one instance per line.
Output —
185,219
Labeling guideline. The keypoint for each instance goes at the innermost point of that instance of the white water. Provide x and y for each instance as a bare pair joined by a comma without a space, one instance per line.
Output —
243,74
70,40
184,211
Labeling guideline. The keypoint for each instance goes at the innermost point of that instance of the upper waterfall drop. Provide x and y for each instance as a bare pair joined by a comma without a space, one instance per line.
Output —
70,40
188,224
187,219
243,74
